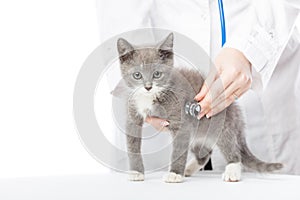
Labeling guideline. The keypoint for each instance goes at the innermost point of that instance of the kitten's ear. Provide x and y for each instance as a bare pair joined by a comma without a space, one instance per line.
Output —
165,49
167,44
125,50
124,46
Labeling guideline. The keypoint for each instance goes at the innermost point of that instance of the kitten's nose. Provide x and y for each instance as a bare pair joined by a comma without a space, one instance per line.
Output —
148,88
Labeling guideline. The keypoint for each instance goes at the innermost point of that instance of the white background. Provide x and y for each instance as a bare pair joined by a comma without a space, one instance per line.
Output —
42,47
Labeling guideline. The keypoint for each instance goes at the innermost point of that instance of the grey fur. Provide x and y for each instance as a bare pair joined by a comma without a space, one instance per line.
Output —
173,89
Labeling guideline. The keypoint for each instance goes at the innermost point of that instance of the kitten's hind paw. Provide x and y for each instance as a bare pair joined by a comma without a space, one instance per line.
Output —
191,168
232,172
189,172
172,177
136,176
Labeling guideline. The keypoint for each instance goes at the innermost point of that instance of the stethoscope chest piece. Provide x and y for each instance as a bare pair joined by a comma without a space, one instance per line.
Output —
192,108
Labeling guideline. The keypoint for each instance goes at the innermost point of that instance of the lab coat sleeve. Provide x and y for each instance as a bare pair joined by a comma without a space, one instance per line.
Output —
272,23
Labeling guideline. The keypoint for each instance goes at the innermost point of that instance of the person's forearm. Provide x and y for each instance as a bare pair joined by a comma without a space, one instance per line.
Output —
292,3
268,36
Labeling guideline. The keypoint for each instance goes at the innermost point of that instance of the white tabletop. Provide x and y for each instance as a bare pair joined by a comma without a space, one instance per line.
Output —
116,186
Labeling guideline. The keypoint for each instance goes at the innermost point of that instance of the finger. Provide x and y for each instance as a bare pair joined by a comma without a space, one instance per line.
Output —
220,107
217,89
213,92
202,113
225,99
206,102
230,96
232,90
206,85
202,93
208,110
235,89
220,84
204,110
158,123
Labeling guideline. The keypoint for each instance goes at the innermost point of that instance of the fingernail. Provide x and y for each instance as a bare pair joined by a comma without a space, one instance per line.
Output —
207,116
165,123
200,116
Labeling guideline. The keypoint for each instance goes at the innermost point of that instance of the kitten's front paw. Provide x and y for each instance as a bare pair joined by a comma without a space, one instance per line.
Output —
232,172
136,176
172,177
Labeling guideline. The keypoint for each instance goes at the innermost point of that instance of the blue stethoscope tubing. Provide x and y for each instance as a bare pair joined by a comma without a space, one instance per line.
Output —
222,21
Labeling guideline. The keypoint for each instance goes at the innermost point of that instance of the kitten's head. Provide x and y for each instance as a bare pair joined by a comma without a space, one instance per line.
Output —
146,69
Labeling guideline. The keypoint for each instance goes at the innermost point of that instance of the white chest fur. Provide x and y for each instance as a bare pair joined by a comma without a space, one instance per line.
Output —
144,103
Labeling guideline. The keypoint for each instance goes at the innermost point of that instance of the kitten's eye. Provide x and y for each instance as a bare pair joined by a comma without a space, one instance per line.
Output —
137,75
156,74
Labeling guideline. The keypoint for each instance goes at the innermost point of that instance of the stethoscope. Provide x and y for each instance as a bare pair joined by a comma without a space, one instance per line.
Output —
222,21
193,108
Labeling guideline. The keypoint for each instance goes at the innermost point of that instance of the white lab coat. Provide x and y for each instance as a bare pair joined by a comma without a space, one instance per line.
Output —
264,31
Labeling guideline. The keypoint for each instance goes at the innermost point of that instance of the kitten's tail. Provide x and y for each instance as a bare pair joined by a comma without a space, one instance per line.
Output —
252,162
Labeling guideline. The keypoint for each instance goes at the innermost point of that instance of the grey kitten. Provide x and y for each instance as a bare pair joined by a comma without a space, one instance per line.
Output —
159,89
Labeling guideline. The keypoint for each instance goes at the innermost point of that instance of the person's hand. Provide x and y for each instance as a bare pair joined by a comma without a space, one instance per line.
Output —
158,123
229,79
